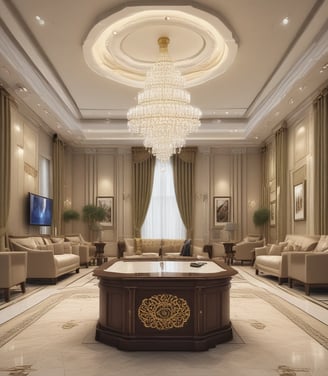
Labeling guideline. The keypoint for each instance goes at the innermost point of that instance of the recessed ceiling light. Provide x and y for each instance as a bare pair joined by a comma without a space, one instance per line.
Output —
167,18
227,112
40,20
323,68
285,21
301,88
115,32
291,101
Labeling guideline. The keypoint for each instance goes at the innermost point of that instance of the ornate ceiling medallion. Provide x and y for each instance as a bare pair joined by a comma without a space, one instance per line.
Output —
163,312
122,46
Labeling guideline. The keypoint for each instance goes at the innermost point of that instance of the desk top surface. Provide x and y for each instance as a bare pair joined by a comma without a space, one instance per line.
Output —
167,267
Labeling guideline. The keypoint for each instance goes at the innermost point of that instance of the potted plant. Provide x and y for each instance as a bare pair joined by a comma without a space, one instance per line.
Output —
93,215
70,215
261,217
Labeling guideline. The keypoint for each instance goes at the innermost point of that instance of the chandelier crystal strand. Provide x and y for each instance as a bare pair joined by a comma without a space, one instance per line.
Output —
164,116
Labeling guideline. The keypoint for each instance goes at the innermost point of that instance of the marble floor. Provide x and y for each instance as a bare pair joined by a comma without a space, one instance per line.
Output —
51,333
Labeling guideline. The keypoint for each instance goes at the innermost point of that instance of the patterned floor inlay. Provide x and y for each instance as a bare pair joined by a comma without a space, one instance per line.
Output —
289,371
23,370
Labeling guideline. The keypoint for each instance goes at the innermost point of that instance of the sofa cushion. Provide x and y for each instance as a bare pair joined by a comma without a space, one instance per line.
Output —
272,262
73,239
275,249
20,244
129,246
322,245
59,248
151,245
47,241
302,243
57,240
66,260
38,240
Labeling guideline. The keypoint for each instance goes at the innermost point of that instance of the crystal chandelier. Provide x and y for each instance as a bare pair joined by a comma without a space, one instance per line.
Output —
164,116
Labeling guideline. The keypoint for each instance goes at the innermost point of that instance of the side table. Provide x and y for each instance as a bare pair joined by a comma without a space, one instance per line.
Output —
99,257
230,253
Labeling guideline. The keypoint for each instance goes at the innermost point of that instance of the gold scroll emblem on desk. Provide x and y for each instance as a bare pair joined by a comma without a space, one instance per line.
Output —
163,312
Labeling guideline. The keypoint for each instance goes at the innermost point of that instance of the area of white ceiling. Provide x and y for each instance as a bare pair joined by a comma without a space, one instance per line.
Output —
276,68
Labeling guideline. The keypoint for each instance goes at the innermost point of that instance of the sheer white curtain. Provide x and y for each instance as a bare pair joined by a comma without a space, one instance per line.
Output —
163,220
44,185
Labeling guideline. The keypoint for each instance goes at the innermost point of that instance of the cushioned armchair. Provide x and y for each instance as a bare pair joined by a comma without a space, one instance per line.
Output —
13,271
244,250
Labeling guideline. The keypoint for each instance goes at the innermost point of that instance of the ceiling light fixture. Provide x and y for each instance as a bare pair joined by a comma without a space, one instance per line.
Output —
40,20
285,21
163,115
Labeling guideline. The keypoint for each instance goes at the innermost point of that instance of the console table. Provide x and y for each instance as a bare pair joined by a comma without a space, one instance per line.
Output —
164,305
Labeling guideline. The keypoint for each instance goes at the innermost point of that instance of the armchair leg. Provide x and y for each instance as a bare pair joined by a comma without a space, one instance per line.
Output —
7,294
307,289
22,285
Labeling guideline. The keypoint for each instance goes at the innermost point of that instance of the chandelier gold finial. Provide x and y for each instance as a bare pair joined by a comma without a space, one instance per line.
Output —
163,42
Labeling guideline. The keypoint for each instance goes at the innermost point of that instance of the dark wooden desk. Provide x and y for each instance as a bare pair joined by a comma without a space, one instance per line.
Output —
170,306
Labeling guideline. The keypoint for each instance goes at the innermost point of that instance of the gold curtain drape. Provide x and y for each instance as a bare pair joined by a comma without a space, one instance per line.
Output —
5,158
265,193
184,183
58,158
143,166
321,163
281,182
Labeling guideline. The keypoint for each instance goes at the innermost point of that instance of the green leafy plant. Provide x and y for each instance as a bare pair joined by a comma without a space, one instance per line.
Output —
70,215
92,215
261,216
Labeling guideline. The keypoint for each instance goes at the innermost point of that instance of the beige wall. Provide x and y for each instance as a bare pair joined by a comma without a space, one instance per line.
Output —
233,172
28,142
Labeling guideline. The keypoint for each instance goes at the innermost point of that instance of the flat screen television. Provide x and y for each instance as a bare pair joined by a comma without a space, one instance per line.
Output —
40,210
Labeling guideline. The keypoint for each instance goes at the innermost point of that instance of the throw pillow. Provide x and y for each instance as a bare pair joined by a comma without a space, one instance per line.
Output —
186,251
38,240
73,239
59,248
138,246
47,241
275,250
24,242
57,240
322,244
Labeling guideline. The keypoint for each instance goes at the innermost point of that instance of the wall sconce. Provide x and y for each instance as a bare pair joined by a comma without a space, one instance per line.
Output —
67,204
251,204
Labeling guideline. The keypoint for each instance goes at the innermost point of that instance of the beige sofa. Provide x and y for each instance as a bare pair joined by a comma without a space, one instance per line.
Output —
309,268
47,261
13,271
156,248
272,259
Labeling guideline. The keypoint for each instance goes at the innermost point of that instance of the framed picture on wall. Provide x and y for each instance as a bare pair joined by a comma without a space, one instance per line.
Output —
222,210
107,202
272,213
299,202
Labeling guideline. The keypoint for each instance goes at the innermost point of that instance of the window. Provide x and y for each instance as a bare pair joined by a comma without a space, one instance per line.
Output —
163,220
